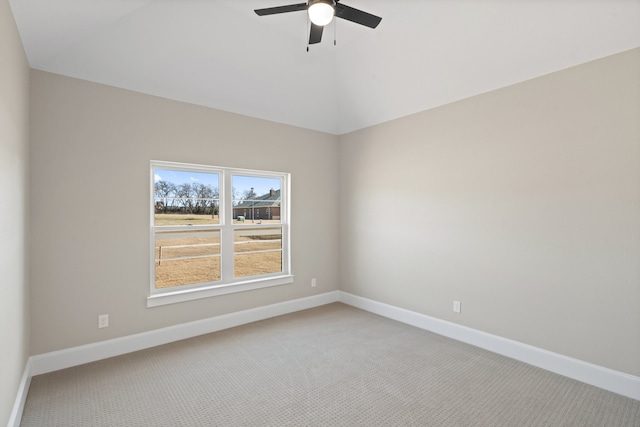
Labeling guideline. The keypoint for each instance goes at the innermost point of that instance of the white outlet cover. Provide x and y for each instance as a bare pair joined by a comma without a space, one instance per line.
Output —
103,321
456,306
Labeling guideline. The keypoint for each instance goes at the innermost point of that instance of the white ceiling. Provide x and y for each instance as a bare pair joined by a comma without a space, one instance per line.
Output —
220,54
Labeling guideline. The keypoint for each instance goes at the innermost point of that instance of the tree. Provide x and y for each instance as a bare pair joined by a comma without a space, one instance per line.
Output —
215,203
249,194
205,198
184,192
164,193
235,196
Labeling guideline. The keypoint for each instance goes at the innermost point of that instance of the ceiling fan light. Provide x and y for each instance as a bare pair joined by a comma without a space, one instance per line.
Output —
321,12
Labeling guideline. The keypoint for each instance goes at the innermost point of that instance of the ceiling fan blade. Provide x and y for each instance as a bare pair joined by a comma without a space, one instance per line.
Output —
357,16
315,35
281,9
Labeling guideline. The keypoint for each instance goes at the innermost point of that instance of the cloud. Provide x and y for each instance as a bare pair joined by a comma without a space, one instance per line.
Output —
156,177
194,179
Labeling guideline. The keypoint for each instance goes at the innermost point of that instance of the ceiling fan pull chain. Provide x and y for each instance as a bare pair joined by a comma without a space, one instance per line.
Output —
335,31
306,31
320,13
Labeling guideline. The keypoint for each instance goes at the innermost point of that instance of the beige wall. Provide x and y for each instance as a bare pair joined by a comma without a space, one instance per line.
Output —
91,147
523,203
14,139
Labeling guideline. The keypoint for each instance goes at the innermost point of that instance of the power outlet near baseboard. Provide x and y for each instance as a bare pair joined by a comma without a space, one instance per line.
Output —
457,308
103,321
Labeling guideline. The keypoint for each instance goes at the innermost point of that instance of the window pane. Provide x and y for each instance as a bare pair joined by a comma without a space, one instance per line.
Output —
184,258
257,251
256,199
214,227
185,197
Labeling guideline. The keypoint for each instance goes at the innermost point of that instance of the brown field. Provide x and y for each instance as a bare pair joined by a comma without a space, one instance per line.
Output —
183,219
186,272
174,272
261,263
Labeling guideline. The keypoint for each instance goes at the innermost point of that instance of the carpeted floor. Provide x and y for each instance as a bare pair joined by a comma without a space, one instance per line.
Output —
329,366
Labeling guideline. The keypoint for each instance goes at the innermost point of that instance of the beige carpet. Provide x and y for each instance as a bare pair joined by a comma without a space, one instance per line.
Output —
329,366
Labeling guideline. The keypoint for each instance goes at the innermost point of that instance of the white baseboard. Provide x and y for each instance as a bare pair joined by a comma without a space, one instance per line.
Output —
21,397
608,379
56,360
605,378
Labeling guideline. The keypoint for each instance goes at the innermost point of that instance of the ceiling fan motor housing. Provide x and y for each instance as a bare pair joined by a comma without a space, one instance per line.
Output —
321,12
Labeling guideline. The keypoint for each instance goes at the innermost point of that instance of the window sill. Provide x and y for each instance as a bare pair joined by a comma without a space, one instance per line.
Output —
212,291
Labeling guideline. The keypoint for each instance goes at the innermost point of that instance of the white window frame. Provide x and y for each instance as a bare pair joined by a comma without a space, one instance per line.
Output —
227,283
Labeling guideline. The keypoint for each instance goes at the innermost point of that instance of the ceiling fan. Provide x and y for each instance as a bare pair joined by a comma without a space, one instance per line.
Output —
321,12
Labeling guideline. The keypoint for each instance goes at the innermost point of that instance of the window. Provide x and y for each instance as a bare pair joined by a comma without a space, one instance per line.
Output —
216,230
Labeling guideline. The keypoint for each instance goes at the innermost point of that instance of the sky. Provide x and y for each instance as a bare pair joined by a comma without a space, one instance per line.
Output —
240,183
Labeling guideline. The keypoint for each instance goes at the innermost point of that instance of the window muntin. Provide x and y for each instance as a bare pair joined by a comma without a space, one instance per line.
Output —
215,227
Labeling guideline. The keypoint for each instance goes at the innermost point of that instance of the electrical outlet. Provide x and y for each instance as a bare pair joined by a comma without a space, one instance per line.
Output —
103,321
456,306
313,282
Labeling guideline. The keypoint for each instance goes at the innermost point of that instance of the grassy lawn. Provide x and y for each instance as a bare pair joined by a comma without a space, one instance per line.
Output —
173,269
188,271
186,219
199,270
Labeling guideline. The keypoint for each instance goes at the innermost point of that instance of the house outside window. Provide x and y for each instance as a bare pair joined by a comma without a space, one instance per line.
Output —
208,236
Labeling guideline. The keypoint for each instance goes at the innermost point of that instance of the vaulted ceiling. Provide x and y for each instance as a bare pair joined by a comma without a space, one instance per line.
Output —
220,54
